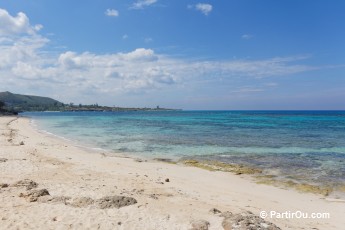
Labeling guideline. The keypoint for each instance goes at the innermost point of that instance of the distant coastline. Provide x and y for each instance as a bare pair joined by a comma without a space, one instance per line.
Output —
97,108
25,103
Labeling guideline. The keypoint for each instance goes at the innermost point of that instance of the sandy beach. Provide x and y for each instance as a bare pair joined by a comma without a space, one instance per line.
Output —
49,183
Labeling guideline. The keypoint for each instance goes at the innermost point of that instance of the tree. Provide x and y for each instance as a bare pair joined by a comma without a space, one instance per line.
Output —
2,104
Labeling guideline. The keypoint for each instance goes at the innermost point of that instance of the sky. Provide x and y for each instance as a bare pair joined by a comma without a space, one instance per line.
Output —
187,54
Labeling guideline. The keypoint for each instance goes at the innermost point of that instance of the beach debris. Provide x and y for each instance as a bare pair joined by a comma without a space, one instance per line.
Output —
3,160
153,196
27,183
167,180
165,160
115,202
138,160
82,202
3,185
246,220
215,211
33,195
21,143
200,225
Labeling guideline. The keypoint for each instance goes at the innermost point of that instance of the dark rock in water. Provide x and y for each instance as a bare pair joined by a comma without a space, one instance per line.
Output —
215,211
115,202
33,195
3,185
82,202
27,183
200,225
246,220
3,160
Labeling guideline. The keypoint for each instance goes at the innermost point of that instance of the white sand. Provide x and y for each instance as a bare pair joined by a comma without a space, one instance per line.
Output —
66,170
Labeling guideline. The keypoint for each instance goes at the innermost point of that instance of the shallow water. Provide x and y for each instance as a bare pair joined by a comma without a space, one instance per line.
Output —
302,145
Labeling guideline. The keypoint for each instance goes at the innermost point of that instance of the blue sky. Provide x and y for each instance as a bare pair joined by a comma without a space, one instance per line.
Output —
234,54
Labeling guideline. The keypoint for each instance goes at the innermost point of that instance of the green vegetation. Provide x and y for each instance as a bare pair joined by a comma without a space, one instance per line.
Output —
4,111
18,102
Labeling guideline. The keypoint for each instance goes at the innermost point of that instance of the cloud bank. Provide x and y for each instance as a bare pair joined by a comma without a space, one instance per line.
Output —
26,64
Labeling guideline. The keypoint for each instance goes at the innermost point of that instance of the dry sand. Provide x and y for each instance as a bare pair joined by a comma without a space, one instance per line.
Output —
76,179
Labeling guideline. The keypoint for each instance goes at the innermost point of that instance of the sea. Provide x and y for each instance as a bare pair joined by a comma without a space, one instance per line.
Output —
304,146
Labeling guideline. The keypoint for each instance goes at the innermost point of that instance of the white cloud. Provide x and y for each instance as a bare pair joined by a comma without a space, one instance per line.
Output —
38,27
140,4
112,13
140,54
125,36
19,41
247,36
204,8
19,24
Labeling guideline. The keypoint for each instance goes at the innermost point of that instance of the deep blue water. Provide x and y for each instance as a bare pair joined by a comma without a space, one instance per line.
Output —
303,145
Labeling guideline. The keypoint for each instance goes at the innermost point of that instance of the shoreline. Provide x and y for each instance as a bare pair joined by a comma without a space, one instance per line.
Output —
188,196
259,174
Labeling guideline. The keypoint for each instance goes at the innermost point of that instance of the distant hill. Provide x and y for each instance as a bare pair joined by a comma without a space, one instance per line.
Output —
18,102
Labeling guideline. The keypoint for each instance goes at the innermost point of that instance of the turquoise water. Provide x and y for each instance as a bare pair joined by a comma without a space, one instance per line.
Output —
303,145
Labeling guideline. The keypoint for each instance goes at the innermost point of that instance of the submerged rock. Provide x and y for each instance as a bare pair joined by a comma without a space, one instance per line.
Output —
246,220
115,202
303,187
221,166
27,183
33,195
